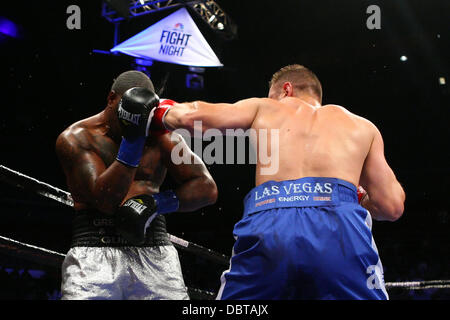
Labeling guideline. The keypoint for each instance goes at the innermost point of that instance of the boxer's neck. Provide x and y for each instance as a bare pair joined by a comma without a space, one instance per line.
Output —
309,100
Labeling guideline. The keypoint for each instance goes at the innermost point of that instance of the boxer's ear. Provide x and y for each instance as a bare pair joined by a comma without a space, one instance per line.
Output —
113,98
288,89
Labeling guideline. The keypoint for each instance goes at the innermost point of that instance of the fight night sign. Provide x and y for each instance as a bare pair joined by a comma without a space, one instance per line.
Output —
174,39
173,42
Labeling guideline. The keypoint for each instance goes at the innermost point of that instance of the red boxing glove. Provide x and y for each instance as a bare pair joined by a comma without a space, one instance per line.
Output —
361,193
157,127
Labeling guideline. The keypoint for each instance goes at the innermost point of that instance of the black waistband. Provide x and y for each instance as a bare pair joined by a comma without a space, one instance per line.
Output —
91,228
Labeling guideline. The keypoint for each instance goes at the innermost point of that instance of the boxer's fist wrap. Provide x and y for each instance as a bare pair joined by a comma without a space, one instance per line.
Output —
136,214
135,112
157,127
361,194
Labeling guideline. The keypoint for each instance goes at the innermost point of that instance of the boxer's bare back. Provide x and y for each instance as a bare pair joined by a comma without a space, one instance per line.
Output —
313,141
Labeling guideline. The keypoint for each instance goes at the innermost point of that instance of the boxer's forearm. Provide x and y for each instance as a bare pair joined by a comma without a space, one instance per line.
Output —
376,213
197,116
112,186
179,117
196,193
202,116
372,208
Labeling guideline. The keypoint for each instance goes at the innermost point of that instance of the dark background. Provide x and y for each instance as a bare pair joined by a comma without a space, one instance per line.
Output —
50,78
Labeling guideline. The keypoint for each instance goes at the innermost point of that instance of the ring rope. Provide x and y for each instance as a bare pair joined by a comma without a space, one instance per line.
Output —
55,259
48,191
419,285
52,258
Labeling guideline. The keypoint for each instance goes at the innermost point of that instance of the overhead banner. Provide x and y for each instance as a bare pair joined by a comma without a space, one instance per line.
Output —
174,39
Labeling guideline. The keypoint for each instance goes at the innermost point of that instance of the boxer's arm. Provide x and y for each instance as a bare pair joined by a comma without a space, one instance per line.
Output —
196,188
88,179
222,116
386,197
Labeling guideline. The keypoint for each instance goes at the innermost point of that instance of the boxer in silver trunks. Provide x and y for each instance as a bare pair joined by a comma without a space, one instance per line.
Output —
101,263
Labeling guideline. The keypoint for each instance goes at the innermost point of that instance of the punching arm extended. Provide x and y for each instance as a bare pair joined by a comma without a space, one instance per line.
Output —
199,115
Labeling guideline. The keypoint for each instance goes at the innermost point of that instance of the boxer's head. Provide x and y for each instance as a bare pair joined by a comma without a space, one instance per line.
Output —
125,81
293,81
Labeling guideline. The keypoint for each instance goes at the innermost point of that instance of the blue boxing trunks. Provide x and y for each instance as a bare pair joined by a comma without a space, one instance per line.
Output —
304,239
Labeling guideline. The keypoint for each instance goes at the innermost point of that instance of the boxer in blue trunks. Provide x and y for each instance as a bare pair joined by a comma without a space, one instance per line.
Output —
304,233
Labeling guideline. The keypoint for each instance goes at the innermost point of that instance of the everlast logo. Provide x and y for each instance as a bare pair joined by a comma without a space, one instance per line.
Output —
127,116
138,207
173,42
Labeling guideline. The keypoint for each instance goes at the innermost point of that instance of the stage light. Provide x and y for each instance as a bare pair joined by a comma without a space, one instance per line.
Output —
143,65
194,81
213,17
143,62
197,69
8,28
442,81
403,58
144,7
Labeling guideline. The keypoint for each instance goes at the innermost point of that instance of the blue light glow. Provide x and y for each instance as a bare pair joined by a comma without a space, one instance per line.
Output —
8,28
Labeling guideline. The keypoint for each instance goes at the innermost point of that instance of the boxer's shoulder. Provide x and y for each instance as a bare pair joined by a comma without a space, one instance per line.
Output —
334,108
267,104
337,109
80,135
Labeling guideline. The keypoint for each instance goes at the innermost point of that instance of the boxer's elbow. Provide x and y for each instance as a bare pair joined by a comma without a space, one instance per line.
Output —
387,207
394,210
210,191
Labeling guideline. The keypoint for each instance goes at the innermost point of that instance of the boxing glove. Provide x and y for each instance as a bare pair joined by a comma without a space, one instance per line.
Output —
134,113
361,194
157,126
136,214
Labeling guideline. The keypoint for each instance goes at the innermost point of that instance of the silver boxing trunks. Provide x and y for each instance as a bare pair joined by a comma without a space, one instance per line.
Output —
123,273
103,265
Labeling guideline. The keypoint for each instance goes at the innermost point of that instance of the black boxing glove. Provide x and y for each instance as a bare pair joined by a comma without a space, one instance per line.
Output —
135,113
136,214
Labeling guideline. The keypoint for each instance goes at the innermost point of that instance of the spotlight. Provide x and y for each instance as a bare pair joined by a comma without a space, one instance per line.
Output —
403,58
145,7
212,18
442,81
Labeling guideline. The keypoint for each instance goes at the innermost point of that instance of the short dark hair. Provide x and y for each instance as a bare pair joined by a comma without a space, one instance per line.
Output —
301,77
131,79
